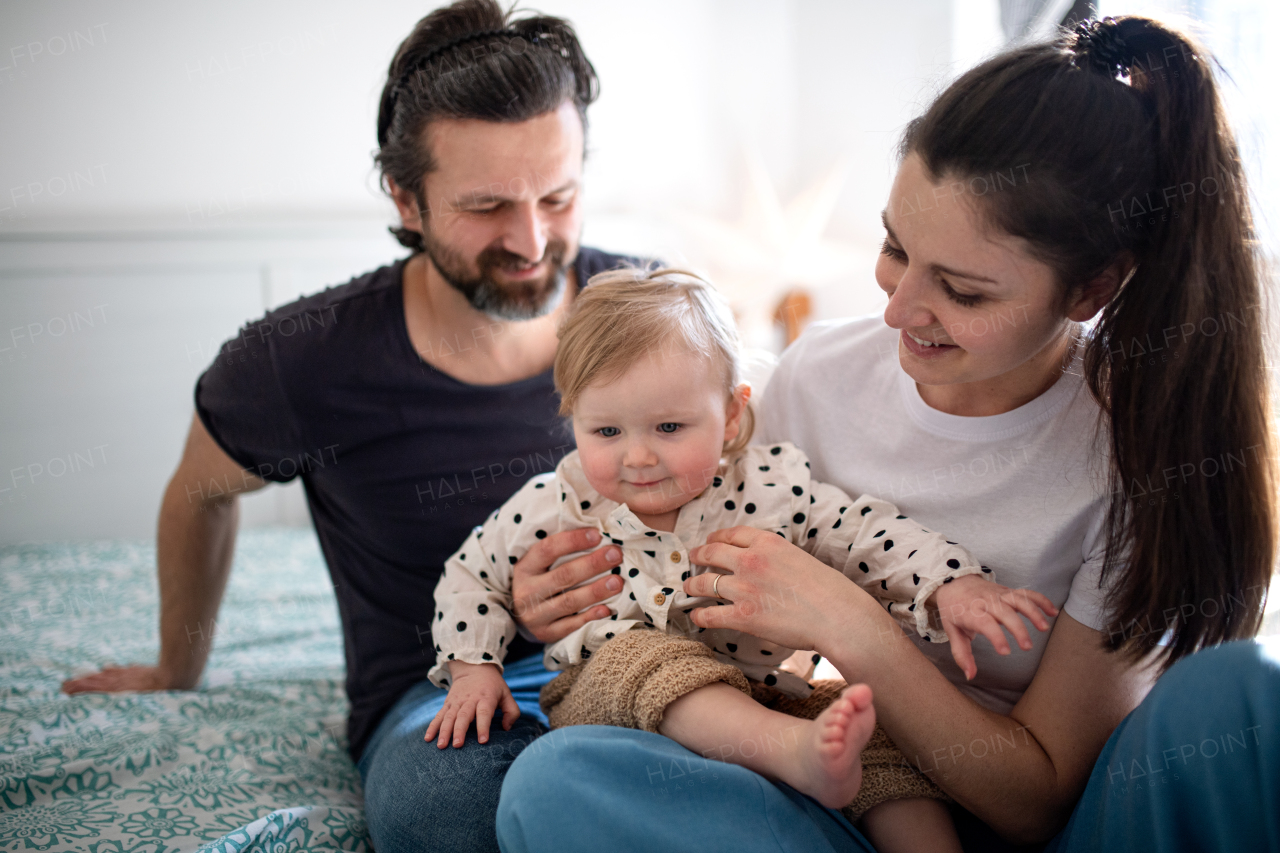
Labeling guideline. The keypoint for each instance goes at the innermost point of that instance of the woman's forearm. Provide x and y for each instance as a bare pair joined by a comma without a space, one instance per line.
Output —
991,764
1021,773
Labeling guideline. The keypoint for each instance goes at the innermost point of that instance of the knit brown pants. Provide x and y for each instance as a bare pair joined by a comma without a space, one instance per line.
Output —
632,679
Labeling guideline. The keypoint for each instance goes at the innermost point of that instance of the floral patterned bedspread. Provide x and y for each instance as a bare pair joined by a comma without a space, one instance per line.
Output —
254,760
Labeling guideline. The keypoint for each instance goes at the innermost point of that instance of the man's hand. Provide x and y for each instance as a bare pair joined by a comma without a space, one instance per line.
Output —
477,691
545,604
120,679
970,606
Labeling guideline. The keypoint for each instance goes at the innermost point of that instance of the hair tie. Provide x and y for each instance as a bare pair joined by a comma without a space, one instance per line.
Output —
1101,43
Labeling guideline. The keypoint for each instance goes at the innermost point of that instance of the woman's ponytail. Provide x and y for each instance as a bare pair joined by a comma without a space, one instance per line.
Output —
1192,531
1120,130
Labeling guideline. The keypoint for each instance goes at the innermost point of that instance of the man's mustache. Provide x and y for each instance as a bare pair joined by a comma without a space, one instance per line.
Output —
499,258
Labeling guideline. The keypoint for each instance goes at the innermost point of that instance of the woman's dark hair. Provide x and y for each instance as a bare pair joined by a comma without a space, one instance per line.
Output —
471,60
1117,153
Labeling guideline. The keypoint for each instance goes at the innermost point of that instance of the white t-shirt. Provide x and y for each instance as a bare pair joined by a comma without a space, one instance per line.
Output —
1024,491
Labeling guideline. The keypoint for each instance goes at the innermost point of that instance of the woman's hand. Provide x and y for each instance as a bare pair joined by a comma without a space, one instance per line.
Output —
545,603
477,691
971,605
778,592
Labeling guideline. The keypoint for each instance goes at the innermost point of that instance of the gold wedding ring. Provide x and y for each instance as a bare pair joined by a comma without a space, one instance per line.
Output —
715,585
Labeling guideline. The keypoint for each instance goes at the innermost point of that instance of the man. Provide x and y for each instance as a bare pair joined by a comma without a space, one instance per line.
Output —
412,401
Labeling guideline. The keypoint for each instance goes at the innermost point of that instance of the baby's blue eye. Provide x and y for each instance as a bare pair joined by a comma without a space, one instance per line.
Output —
609,432
668,427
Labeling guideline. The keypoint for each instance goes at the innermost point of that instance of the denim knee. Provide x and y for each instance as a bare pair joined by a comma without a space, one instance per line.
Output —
1192,768
420,797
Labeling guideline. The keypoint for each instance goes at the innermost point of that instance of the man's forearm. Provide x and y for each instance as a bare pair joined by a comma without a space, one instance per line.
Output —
194,547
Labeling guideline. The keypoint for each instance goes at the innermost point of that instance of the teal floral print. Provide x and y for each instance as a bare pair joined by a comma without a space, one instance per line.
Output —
156,822
253,760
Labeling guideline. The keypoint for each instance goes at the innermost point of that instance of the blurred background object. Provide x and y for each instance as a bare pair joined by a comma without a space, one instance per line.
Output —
170,171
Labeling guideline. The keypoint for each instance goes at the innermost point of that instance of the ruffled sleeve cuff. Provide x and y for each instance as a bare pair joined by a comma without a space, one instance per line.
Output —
916,615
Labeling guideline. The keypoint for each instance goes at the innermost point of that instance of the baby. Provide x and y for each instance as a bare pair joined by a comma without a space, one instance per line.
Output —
648,368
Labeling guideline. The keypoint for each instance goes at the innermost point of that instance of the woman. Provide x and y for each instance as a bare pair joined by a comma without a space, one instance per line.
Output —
1122,471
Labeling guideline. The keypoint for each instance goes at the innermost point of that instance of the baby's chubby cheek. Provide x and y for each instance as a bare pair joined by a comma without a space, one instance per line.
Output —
602,477
694,479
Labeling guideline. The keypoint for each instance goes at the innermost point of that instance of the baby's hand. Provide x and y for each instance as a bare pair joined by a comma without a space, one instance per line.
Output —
970,606
477,690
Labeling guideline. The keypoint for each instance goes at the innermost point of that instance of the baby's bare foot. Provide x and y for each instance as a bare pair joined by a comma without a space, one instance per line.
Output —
829,753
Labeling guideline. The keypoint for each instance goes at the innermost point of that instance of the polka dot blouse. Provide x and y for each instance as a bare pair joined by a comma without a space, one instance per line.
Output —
767,487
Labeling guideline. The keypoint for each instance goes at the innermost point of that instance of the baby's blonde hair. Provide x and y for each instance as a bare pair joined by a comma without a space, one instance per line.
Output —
625,314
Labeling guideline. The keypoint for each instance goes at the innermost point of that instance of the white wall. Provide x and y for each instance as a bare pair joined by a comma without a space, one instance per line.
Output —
200,115
180,108
169,170
101,342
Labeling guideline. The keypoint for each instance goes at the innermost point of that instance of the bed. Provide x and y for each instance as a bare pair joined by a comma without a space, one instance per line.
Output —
254,760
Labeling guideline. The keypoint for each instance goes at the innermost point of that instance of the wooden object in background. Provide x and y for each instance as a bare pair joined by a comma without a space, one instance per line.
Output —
793,313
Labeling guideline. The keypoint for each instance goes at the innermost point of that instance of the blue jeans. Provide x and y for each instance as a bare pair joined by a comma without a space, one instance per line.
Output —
418,797
1196,766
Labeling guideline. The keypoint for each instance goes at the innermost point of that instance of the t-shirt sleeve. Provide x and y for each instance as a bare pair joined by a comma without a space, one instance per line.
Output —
242,401
1087,600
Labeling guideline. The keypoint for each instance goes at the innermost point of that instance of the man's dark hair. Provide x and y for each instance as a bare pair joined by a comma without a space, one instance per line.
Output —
471,60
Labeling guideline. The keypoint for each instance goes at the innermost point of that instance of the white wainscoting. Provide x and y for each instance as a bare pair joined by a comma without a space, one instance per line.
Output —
102,335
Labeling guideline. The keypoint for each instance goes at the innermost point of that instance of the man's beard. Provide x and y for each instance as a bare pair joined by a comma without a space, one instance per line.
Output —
523,300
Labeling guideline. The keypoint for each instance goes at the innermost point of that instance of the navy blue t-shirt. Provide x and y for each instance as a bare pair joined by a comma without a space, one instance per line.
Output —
399,461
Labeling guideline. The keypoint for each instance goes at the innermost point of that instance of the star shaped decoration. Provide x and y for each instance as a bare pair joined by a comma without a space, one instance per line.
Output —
772,247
